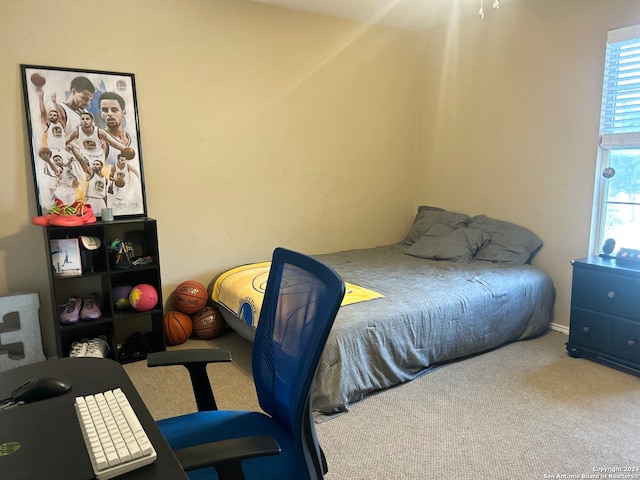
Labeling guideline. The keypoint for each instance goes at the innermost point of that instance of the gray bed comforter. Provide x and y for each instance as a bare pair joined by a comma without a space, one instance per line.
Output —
432,312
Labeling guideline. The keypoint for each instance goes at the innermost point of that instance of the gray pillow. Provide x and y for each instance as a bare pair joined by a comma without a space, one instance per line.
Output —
445,243
427,217
510,243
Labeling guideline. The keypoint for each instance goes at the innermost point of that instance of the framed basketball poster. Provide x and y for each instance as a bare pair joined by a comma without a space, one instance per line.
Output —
84,139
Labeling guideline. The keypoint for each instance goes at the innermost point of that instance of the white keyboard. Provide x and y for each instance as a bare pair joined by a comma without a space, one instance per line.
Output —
113,435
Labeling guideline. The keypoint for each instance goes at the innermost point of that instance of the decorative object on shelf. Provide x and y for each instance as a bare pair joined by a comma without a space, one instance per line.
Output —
65,257
190,297
177,327
120,254
77,118
89,247
208,323
143,297
107,214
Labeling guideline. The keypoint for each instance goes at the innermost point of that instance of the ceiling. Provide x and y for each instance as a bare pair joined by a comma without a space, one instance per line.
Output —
408,14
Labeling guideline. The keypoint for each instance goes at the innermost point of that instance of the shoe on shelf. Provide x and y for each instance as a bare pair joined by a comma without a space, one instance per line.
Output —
97,347
62,215
126,350
78,349
143,347
90,309
86,213
71,311
54,211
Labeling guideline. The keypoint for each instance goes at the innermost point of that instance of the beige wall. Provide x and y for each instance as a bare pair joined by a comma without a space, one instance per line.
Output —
263,127
510,110
260,127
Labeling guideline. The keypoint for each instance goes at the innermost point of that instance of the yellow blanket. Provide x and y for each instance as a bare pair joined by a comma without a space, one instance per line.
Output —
241,290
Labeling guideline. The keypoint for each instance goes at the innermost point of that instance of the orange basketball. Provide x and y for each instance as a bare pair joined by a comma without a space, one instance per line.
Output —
38,80
119,182
177,327
128,153
190,297
208,323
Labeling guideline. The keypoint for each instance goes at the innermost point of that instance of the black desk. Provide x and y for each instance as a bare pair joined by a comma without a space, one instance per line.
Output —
52,446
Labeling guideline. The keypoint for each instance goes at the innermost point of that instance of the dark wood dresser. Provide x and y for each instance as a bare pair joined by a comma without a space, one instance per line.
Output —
605,312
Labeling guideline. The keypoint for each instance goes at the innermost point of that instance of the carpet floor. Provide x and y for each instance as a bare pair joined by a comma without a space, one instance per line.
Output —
523,411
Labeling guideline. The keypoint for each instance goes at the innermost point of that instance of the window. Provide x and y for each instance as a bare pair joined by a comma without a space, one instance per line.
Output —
617,199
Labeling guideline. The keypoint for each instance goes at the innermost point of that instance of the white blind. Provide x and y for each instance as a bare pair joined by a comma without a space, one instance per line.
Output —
621,90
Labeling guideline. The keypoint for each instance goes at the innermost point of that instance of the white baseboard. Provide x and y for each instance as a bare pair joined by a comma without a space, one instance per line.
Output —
560,328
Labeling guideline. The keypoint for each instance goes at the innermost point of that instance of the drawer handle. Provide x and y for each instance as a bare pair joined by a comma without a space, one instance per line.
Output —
586,329
611,294
631,343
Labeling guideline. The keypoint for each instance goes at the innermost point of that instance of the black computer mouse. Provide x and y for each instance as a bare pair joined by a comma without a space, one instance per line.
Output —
37,389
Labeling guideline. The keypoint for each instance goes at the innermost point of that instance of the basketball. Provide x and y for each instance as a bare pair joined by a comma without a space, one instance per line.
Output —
208,323
143,297
128,153
177,327
44,153
190,297
38,80
119,182
120,295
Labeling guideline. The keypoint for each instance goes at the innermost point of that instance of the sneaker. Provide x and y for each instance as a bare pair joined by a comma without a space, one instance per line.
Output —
97,347
78,349
71,311
62,215
130,344
90,309
86,214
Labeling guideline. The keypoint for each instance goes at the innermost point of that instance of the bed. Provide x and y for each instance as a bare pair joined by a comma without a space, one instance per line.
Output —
456,286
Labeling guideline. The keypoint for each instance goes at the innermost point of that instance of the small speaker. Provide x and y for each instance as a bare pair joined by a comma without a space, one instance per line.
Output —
608,246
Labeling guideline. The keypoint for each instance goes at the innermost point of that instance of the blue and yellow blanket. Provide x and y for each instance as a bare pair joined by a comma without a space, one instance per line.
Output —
241,291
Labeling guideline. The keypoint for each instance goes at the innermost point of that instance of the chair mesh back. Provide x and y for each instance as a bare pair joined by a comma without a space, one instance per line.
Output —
301,300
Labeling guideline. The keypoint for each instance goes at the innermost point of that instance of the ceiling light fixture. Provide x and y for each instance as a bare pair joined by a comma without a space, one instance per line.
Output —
495,4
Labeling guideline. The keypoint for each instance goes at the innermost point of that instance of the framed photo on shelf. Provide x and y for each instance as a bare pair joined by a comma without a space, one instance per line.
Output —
65,257
84,139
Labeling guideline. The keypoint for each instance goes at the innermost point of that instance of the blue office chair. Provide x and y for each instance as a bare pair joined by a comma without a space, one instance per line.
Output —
301,301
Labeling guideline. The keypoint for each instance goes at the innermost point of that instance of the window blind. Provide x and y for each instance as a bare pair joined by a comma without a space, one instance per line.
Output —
620,112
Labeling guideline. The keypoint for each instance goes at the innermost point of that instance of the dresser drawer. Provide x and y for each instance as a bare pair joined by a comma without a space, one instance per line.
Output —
617,295
590,329
625,340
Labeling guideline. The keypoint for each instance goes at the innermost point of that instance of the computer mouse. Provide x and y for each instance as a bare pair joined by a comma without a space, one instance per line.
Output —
37,389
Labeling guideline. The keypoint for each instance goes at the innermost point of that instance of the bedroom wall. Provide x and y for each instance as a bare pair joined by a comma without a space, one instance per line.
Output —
260,127
510,110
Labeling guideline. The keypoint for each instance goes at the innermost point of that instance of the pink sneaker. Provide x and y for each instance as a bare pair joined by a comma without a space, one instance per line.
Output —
71,311
90,309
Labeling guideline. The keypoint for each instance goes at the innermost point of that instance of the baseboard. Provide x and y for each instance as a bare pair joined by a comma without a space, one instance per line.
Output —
559,328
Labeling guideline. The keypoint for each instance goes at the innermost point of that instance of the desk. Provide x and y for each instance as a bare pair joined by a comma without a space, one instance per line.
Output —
52,446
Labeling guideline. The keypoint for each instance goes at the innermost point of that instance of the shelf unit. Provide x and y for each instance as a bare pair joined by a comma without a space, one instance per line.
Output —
100,276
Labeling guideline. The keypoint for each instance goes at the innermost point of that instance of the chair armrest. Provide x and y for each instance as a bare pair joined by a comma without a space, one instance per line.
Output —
185,357
195,361
227,455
